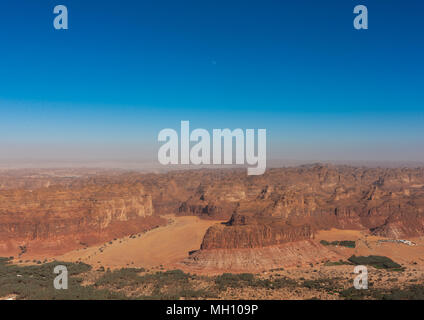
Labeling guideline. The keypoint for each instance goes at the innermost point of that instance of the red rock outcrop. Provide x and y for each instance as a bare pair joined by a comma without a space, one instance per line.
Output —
386,201
291,254
244,231
285,204
70,216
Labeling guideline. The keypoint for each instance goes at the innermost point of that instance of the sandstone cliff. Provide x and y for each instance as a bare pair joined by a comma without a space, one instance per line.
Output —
291,254
388,202
250,232
283,205
64,216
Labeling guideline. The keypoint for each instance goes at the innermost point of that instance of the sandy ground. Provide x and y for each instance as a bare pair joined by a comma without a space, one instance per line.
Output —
337,234
168,245
162,246
369,245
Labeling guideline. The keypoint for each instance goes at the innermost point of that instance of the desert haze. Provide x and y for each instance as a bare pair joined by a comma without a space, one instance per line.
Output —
292,233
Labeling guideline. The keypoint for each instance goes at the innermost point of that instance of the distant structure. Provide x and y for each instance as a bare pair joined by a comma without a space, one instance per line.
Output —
407,242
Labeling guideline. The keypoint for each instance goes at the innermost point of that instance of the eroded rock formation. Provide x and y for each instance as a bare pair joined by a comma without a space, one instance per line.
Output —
243,231
290,254
283,205
65,216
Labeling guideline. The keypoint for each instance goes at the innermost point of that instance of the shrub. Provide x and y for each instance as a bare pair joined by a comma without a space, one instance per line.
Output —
379,262
36,282
337,263
343,243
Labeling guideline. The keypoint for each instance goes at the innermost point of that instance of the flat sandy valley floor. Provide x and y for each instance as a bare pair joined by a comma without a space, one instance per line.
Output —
168,245
163,246
146,266
159,251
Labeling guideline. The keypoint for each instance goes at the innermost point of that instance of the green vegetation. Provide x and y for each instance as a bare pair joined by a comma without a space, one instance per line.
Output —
355,294
230,280
173,284
414,292
35,282
379,262
337,263
343,243
328,284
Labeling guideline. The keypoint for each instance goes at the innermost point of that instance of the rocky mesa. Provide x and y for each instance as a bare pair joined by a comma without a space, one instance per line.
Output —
243,231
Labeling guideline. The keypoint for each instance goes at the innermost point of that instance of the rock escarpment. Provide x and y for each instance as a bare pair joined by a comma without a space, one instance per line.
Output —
68,216
289,254
283,205
384,201
250,232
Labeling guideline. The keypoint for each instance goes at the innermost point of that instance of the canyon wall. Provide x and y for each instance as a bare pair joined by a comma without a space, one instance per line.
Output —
73,216
386,202
252,232
283,205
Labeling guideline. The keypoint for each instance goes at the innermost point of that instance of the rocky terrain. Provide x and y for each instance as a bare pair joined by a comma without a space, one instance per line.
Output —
387,202
293,254
282,209
67,215
243,231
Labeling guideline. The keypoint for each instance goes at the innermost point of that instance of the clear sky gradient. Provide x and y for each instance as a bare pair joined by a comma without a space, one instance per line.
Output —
127,69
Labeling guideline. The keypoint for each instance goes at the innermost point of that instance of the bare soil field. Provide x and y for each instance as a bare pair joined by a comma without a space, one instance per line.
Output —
162,246
372,245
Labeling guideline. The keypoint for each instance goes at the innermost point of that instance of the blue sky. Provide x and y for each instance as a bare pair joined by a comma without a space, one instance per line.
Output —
127,69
